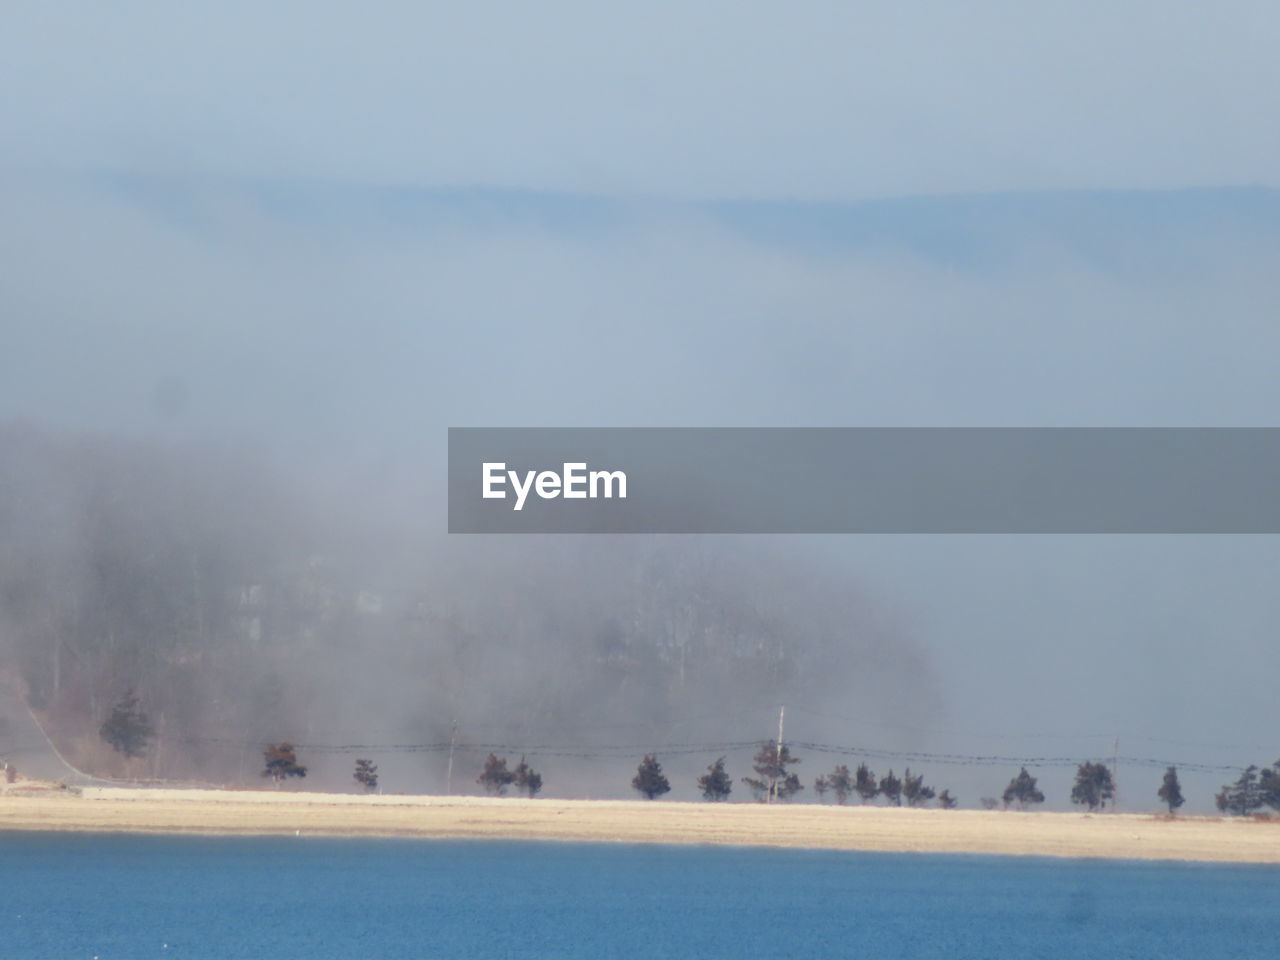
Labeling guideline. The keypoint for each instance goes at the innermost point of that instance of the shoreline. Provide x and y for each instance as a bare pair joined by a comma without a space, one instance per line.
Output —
900,830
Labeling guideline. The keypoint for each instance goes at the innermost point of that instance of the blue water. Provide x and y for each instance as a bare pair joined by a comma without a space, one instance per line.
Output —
171,897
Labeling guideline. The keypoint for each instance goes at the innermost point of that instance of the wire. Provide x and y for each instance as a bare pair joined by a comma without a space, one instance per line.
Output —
626,751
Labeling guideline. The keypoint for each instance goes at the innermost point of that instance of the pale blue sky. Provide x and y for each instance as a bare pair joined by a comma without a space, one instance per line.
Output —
826,100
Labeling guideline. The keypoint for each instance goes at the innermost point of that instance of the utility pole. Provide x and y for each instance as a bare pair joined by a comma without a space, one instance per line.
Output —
155,754
1115,775
448,777
773,783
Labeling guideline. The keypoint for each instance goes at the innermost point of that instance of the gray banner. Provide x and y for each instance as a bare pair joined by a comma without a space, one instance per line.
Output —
818,480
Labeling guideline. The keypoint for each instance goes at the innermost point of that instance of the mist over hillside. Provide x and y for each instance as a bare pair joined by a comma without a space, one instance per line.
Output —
224,449
241,613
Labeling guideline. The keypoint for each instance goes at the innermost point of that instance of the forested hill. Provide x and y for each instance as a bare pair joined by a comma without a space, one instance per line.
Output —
241,611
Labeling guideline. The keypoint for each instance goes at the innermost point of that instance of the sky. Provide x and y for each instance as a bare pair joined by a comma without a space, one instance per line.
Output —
332,236
824,101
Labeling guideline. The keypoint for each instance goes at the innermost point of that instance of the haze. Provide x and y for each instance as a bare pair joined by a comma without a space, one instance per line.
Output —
263,259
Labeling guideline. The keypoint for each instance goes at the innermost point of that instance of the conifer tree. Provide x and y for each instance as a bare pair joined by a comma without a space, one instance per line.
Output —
495,777
282,762
914,791
841,783
1242,797
367,774
715,784
891,789
527,779
1022,790
820,786
866,784
1269,785
128,729
1170,790
773,781
649,779
1093,786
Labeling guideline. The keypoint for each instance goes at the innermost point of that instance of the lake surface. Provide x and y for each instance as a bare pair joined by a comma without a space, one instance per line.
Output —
108,896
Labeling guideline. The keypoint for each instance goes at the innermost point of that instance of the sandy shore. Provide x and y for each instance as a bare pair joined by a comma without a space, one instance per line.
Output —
830,827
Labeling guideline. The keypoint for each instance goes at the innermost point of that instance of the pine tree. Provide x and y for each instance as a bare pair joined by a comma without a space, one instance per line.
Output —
820,786
914,791
128,729
775,782
866,784
946,801
891,789
367,774
1242,797
841,783
715,784
1022,791
282,762
495,778
1093,786
527,779
1170,790
1269,785
649,779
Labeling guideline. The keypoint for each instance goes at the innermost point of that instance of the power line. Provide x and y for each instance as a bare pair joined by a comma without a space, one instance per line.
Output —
953,732
615,752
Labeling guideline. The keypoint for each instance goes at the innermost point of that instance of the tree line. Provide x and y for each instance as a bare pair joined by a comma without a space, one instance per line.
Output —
130,732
